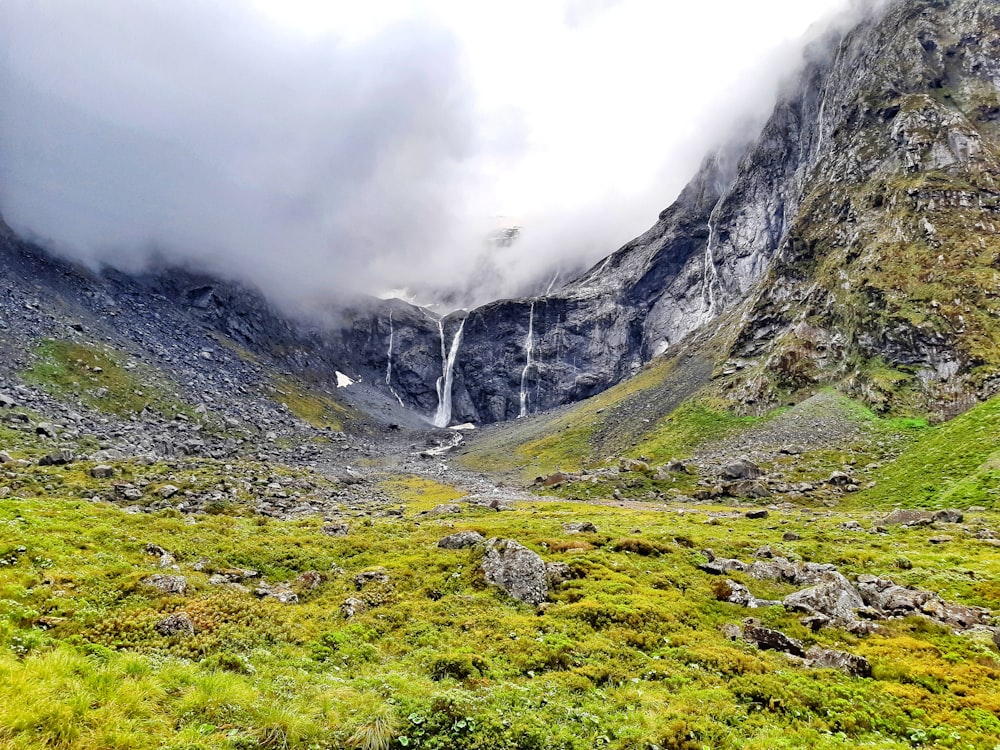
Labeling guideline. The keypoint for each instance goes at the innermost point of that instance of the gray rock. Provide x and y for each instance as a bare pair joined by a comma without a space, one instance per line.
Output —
61,457
5,458
461,540
336,529
740,594
168,584
826,658
835,598
375,575
352,607
755,514
907,517
179,623
443,510
6,402
167,491
948,516
558,573
281,592
790,536
742,469
516,569
102,472
579,527
767,639
46,429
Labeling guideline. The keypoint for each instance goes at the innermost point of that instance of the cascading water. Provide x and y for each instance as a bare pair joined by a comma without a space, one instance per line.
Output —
552,283
529,348
710,275
443,416
388,367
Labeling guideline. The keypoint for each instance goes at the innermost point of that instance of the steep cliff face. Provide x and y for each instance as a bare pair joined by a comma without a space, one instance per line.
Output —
852,241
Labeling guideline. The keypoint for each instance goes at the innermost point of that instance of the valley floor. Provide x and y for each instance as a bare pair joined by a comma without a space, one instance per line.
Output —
239,603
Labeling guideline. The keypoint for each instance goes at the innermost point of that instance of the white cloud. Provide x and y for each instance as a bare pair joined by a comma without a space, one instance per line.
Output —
317,145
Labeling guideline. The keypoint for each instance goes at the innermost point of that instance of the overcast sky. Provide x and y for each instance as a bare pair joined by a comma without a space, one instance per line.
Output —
313,146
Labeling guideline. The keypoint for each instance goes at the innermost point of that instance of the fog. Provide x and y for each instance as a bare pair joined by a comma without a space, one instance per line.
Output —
316,165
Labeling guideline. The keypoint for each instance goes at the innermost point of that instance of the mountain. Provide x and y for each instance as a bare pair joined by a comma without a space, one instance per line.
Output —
851,242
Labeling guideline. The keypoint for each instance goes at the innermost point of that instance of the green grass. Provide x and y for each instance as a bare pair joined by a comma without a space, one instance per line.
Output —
953,464
311,406
627,655
693,424
98,378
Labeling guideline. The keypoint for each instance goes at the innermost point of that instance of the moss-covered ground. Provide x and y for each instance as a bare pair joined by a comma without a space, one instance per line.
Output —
629,654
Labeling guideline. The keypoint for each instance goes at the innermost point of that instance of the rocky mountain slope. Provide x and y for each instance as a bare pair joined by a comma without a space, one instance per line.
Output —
853,241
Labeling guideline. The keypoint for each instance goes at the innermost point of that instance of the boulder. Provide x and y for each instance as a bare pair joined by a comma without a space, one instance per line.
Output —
757,513
375,575
353,606
835,598
335,529
552,480
949,515
5,458
579,527
790,536
742,469
827,658
179,623
6,402
46,429
634,465
102,472
516,569
907,517
279,591
60,457
770,640
737,593
443,510
167,491
461,540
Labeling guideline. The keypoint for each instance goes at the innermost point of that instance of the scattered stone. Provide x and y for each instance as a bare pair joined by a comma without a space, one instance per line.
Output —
748,489
167,491
102,472
893,600
443,510
634,465
944,539
852,526
309,581
840,479
580,527
179,623
558,573
767,639
280,591
826,658
732,632
155,550
764,553
790,536
168,584
61,457
516,569
352,606
835,599
907,517
736,593
6,402
742,469
5,458
552,480
757,513
336,529
376,575
46,429
948,516
461,540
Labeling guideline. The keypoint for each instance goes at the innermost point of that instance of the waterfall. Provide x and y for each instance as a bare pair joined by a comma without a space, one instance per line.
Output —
443,416
388,367
552,283
529,348
710,274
